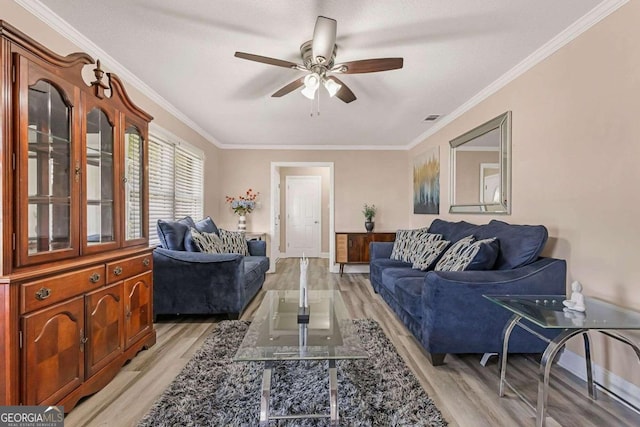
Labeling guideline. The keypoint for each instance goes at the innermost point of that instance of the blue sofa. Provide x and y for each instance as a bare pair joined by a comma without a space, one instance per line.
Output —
445,310
186,281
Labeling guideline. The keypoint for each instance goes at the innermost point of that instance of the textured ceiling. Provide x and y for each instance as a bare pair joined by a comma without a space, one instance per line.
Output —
452,50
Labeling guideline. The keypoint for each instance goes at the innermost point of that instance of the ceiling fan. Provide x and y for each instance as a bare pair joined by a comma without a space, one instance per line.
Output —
318,60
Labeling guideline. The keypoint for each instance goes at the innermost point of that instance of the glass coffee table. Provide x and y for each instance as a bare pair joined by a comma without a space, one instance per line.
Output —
547,311
275,336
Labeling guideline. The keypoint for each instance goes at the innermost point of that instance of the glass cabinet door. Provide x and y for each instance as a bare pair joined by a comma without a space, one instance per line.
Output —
100,214
134,184
50,172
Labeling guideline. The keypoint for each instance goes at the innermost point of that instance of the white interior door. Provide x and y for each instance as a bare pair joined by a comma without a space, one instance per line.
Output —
303,201
491,191
276,213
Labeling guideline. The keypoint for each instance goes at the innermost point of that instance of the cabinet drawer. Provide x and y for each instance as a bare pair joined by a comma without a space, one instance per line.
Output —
341,247
44,292
128,267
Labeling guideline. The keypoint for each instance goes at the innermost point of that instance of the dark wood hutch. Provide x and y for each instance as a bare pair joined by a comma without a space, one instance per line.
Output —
76,286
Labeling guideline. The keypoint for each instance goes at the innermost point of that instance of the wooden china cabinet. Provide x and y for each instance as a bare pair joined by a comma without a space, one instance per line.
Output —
76,286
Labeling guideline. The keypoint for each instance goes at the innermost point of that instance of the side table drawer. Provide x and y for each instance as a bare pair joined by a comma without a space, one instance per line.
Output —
127,267
44,292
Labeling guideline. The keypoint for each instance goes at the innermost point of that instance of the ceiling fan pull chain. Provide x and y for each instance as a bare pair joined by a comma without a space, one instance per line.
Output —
318,109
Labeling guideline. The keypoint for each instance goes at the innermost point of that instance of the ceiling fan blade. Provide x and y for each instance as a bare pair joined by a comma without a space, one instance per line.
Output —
266,60
289,88
324,38
345,94
368,66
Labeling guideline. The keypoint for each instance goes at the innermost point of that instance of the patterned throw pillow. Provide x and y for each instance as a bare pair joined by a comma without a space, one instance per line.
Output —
408,242
426,255
206,242
233,242
469,254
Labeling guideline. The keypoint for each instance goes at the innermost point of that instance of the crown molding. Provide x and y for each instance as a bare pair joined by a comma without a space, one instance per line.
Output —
316,147
594,16
42,12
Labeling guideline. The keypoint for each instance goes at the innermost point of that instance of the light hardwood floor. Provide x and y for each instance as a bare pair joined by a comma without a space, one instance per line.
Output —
465,392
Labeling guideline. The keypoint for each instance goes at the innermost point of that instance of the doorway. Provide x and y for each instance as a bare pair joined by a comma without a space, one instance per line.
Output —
303,195
280,171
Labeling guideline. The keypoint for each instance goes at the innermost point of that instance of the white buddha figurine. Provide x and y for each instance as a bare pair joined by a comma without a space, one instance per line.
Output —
576,302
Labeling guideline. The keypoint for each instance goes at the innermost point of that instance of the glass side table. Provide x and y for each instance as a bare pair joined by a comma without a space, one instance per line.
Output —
547,311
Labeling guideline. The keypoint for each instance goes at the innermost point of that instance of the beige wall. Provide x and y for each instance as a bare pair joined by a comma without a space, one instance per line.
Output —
324,174
39,31
576,124
377,177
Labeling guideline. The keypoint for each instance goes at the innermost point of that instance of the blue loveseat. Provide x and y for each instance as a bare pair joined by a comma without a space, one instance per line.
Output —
187,281
445,310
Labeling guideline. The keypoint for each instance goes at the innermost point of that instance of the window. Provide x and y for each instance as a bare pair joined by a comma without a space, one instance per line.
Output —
176,178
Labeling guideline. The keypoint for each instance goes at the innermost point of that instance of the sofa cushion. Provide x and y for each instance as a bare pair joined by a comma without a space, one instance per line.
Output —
426,255
207,225
171,233
452,231
409,241
378,265
391,275
203,242
408,292
233,242
519,244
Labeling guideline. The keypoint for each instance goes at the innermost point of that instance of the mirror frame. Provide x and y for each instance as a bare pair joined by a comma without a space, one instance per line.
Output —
503,123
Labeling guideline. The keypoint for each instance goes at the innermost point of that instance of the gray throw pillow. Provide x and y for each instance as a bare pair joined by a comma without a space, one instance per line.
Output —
427,254
233,242
469,254
206,242
408,242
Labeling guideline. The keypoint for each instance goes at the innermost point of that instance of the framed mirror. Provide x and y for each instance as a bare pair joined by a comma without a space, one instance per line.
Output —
481,168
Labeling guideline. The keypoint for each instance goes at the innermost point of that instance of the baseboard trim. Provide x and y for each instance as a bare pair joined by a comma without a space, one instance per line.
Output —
353,268
324,255
630,392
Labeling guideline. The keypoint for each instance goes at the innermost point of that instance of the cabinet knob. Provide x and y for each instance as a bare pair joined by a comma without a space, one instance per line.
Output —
43,294
117,271
94,278
146,262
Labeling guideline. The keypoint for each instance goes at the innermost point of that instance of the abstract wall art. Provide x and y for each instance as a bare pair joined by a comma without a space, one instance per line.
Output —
426,182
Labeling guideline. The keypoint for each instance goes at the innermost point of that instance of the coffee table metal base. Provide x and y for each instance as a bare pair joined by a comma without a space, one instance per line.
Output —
265,415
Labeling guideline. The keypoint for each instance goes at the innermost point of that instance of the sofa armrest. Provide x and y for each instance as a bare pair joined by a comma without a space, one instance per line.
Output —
380,250
257,247
454,308
196,282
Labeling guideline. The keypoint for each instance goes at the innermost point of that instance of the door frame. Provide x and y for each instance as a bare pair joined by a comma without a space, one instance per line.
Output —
274,251
316,179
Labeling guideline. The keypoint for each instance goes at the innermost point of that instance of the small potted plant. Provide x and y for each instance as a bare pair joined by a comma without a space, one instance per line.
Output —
369,212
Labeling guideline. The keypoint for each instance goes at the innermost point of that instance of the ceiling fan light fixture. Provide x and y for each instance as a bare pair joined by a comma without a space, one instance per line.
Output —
311,84
331,86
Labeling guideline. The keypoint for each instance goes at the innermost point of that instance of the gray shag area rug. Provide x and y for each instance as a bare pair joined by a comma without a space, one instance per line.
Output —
212,390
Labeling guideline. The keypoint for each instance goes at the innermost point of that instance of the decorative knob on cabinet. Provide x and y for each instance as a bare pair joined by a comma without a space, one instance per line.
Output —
117,271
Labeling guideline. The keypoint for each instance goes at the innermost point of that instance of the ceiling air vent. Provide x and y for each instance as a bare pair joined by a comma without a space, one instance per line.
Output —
432,117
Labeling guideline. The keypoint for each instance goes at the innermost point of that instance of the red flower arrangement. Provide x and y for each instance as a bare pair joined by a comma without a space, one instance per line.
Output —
244,204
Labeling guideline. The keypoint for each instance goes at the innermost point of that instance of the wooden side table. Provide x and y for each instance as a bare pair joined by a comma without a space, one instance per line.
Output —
353,248
255,235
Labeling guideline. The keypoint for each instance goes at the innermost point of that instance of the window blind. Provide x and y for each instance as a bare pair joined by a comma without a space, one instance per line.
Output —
176,183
